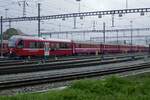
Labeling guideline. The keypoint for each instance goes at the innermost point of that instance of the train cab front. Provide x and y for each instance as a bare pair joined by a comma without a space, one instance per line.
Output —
12,47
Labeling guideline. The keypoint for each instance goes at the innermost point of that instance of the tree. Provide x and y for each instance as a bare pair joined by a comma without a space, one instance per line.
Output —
10,32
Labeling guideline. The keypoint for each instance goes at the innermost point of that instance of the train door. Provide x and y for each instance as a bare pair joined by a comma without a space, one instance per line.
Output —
46,49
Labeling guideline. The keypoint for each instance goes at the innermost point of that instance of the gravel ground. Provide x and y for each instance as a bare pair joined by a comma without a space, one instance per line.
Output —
37,88
45,87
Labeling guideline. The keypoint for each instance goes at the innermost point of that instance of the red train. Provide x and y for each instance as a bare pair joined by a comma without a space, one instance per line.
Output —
24,46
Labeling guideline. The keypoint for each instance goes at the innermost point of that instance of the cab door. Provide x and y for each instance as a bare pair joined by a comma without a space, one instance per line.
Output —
46,49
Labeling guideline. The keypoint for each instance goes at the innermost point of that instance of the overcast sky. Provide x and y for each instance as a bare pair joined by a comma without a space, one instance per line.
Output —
51,7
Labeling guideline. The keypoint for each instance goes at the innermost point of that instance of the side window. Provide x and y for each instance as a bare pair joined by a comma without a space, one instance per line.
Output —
36,45
20,44
57,46
52,46
61,45
40,45
64,45
79,45
32,45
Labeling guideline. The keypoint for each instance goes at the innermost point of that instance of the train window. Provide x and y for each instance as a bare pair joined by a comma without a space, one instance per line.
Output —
20,44
52,46
12,42
32,45
64,45
57,45
79,45
36,45
40,45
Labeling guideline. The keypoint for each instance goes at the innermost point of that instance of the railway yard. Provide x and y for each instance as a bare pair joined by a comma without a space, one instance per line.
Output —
74,50
19,76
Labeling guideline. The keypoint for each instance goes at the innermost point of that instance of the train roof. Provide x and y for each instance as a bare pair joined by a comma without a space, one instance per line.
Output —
58,40
25,37
96,43
38,38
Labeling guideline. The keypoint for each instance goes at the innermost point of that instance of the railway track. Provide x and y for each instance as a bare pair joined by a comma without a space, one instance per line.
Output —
11,62
33,61
70,76
30,67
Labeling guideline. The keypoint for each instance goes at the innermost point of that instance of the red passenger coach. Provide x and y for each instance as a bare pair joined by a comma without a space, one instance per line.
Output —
24,46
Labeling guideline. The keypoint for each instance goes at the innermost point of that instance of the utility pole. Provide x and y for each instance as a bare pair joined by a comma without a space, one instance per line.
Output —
131,34
117,41
59,30
79,9
94,26
117,38
23,4
1,37
75,20
50,35
102,46
126,4
104,26
75,23
113,20
39,20
9,24
6,10
6,16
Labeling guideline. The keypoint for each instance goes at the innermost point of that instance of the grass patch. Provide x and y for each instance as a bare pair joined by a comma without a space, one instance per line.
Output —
112,88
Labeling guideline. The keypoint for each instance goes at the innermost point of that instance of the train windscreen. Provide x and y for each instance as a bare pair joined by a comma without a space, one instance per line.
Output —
12,42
